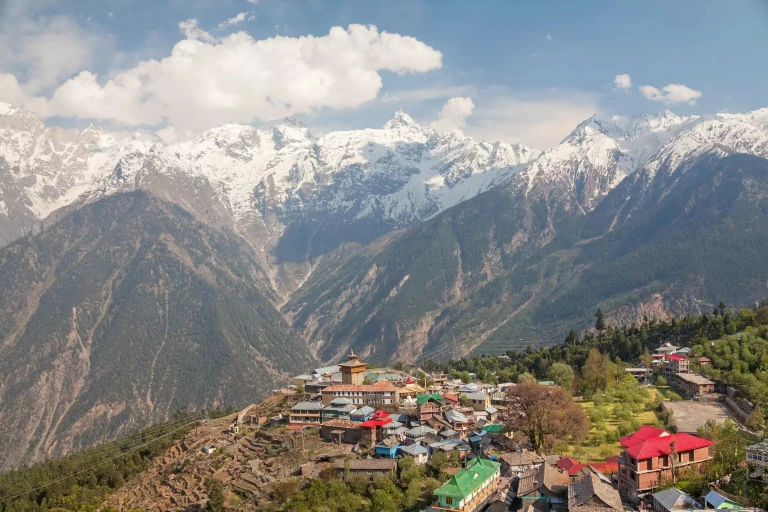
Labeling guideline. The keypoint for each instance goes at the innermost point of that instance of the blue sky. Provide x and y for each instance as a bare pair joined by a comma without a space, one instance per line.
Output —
532,70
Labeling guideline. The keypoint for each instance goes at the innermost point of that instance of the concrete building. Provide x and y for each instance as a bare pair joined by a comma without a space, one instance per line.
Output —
478,401
419,453
692,384
676,363
516,463
383,393
757,459
341,431
306,412
651,455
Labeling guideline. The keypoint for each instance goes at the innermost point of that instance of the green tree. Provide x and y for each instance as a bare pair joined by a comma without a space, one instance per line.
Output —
215,490
599,320
525,377
437,464
562,375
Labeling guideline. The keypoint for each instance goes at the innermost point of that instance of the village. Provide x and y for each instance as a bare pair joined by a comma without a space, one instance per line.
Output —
353,421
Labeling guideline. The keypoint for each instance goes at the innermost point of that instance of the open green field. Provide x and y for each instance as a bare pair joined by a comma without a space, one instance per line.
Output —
587,453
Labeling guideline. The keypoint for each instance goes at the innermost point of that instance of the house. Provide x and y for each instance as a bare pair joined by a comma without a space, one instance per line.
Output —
394,428
675,363
450,400
429,406
449,446
651,455
375,424
470,488
305,412
684,351
715,500
325,372
670,500
367,468
591,494
543,489
480,417
493,413
665,350
301,380
341,431
704,361
448,433
362,414
469,388
339,408
381,393
757,459
458,421
515,463
209,449
641,373
693,384
478,401
417,452
388,447
416,434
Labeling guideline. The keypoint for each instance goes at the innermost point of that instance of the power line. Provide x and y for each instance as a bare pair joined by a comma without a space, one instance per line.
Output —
92,466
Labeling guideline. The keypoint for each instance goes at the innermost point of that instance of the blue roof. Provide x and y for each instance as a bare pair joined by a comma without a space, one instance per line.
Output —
715,499
491,410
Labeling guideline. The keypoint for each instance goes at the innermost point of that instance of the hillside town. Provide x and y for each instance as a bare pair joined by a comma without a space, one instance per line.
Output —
376,417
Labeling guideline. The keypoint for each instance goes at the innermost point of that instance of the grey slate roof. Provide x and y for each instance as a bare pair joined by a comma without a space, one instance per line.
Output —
413,449
307,406
669,497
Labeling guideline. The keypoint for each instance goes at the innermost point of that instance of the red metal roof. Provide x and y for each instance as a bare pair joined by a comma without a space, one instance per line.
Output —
676,357
663,445
567,463
376,423
643,433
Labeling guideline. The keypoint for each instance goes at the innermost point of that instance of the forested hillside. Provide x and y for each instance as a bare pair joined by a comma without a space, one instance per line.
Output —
125,311
513,264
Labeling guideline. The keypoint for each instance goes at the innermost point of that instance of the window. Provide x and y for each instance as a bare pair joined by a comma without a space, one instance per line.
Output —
448,500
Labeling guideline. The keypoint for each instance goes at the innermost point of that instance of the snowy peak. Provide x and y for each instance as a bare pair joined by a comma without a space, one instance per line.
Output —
401,120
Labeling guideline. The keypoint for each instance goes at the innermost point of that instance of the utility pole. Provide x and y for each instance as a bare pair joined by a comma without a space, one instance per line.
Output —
672,454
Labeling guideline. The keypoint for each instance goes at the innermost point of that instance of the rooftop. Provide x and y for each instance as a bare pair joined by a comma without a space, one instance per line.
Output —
307,406
675,498
583,494
352,362
421,399
342,424
382,385
664,445
521,458
326,370
463,483
414,449
476,396
544,476
694,378
643,433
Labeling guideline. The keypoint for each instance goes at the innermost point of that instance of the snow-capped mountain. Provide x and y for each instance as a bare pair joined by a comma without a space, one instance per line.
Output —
388,178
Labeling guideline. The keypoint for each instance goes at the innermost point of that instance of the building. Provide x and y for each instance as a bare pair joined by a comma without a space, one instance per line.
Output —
675,364
301,380
757,459
666,350
543,488
670,500
429,406
416,434
419,453
387,448
704,361
395,428
368,468
640,374
450,400
591,494
382,393
339,408
362,414
470,488
352,370
478,401
341,431
306,412
715,500
458,421
651,455
515,463
693,384
326,372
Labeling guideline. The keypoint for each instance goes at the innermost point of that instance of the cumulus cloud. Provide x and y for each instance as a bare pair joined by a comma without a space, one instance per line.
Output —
671,94
549,37
235,20
536,120
207,82
41,51
623,81
453,116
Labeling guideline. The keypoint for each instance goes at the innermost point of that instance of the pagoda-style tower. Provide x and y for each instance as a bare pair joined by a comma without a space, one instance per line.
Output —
352,370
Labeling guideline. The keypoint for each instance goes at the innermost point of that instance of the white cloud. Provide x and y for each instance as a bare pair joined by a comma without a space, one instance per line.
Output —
206,82
236,20
537,120
254,2
41,51
191,30
671,94
419,95
623,81
548,38
111,15
453,116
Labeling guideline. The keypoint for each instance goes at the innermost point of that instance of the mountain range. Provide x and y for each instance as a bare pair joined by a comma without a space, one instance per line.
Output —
140,276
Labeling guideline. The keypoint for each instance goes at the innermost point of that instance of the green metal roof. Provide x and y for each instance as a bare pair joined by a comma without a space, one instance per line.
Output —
463,483
493,429
420,399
